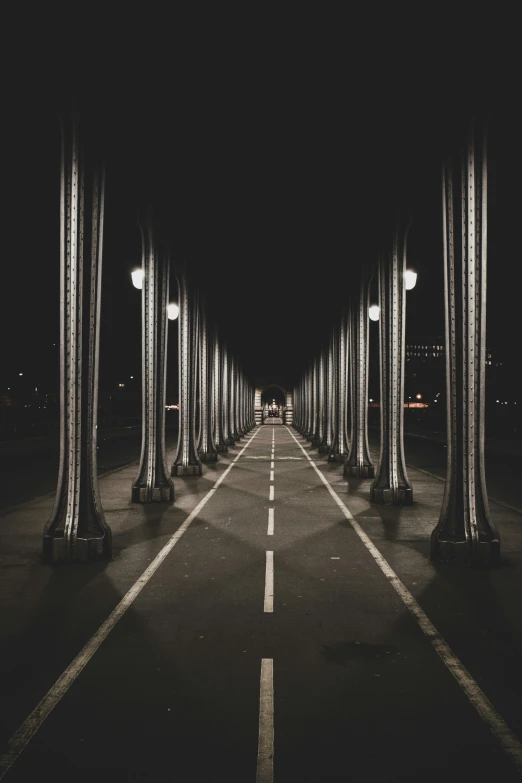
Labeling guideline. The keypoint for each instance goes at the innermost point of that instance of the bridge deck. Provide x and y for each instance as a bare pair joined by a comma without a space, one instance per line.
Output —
172,692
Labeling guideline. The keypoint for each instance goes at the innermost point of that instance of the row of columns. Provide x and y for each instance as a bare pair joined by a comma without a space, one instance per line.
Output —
216,399
331,400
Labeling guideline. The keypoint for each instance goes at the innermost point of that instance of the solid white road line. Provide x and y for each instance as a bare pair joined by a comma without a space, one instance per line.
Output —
271,475
270,531
265,744
269,582
271,495
476,696
33,722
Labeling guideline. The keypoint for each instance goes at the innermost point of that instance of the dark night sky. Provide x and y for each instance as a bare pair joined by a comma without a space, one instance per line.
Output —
269,167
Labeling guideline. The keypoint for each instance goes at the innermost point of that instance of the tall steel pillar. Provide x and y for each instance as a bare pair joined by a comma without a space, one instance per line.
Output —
359,463
77,530
206,447
218,396
339,448
227,424
152,484
465,531
316,409
233,398
321,398
391,484
309,404
186,462
326,443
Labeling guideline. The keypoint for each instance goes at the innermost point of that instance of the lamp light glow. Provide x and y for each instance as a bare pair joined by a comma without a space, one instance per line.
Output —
373,312
137,278
410,279
172,311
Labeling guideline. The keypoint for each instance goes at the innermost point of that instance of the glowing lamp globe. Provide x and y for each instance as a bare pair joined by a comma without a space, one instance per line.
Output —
373,312
172,311
137,278
410,278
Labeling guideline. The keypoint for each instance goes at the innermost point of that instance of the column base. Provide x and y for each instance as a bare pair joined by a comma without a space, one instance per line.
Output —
336,457
163,494
359,471
186,470
222,448
403,496
463,553
323,448
208,456
316,443
56,550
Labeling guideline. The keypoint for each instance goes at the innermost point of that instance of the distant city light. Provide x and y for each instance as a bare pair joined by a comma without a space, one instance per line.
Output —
373,312
418,396
121,385
20,373
131,377
172,311
137,278
410,279
371,399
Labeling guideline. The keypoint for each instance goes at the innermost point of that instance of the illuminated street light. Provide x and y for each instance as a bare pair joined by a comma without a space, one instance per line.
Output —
418,396
410,279
373,312
137,278
172,311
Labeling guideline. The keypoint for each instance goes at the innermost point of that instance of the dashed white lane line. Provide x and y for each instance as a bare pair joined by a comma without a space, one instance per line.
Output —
35,719
479,700
265,744
269,583
271,475
271,466
271,495
270,531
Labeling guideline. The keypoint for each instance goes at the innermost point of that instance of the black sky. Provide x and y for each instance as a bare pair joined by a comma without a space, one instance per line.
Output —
270,166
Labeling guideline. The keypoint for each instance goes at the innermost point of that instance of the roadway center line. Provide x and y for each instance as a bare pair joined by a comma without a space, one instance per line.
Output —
271,495
271,475
265,744
269,583
271,466
35,719
476,696
270,531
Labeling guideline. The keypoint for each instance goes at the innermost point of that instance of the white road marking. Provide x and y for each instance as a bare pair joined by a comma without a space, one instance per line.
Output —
265,744
271,466
271,495
271,475
475,694
269,583
270,531
35,719
256,457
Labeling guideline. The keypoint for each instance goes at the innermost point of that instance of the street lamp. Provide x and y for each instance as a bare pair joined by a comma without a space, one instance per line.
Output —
137,278
410,279
172,311
373,312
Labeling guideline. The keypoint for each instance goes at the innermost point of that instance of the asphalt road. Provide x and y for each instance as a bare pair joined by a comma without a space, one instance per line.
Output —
268,645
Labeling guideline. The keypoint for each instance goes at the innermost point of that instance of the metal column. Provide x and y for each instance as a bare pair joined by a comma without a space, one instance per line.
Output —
77,530
391,484
152,483
465,531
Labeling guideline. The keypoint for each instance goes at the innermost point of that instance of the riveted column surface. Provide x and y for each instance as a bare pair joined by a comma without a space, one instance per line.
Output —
207,449
465,531
391,484
359,462
309,403
339,449
229,440
186,462
316,406
218,395
152,484
77,530
326,443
